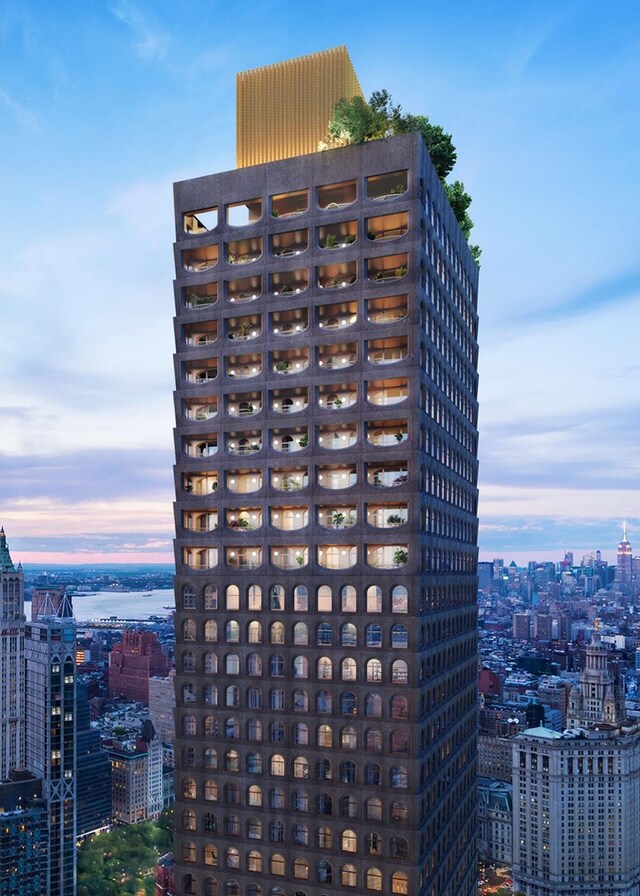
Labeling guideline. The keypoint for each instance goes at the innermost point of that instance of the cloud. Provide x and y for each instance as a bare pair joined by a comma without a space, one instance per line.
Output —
603,294
23,116
150,41
547,538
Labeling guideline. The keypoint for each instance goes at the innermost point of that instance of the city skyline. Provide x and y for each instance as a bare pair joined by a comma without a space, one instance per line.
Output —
106,107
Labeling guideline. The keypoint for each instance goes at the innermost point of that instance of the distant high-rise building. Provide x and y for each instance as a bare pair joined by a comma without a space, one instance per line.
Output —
326,505
132,662
93,772
521,623
50,648
137,777
162,706
12,626
624,561
48,597
576,795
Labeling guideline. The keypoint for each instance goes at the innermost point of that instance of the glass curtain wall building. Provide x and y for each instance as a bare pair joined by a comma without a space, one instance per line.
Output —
326,440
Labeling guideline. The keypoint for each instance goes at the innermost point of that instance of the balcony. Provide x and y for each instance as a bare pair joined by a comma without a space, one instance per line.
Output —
290,243
387,351
245,443
201,447
387,186
200,522
336,196
201,221
246,520
289,205
197,373
240,214
289,283
244,558
243,329
335,438
289,323
196,297
337,356
289,401
290,362
290,557
387,310
203,409
337,236
387,267
387,475
244,251
334,556
244,404
205,333
337,276
336,477
387,227
387,556
344,516
289,441
248,289
204,483
387,433
203,258
337,316
289,479
338,396
244,482
289,519
387,516
200,559
387,392
242,367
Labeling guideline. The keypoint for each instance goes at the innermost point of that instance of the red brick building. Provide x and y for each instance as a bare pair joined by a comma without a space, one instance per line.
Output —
132,662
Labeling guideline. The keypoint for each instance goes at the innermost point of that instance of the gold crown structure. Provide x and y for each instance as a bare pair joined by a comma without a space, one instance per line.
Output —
283,109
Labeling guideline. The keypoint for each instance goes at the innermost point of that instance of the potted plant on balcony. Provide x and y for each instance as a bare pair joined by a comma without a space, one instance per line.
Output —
336,403
303,441
400,557
243,523
282,366
300,559
400,436
349,238
337,519
290,483
397,190
394,519
400,271
286,289
331,241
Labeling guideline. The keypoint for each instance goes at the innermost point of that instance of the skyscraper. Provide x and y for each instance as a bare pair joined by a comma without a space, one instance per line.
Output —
12,622
624,561
325,529
51,735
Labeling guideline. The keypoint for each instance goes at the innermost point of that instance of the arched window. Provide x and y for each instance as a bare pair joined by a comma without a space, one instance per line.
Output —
373,635
349,841
232,761
348,876
189,757
349,635
188,692
325,804
324,701
188,851
399,848
300,700
374,670
325,838
372,774
189,884
232,696
232,664
210,758
189,820
399,599
300,731
277,633
373,809
325,599
276,665
374,844
232,798
300,767
254,698
232,597
232,729
232,825
189,725
325,736
348,806
188,630
300,834
373,741
399,707
399,672
211,856
254,633
300,869
254,861
348,704
300,634
348,598
276,832
254,597
210,886
348,669
210,822
188,597
348,772
232,888
254,763
301,667
399,636
374,879
210,694
399,812
324,635
323,770
300,599
210,595
277,765
399,883
211,630
300,801
232,857
276,732
399,777
276,698
374,599
325,668
324,871
373,706
254,730
276,598
277,866
188,661
210,726
348,738
211,791
254,664
254,829
210,663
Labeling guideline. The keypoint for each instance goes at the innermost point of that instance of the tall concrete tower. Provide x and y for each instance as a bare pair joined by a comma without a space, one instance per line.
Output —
12,625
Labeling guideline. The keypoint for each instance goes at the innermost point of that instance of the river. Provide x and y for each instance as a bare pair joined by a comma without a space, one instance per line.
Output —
123,605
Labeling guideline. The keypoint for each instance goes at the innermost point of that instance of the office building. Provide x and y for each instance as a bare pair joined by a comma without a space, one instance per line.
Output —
576,795
132,662
12,623
93,772
51,596
50,652
137,777
624,561
325,529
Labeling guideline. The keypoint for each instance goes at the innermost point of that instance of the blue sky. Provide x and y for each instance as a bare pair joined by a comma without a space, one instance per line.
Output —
105,104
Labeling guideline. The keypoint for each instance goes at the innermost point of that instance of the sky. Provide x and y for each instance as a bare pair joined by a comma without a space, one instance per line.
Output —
105,104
